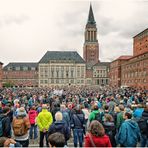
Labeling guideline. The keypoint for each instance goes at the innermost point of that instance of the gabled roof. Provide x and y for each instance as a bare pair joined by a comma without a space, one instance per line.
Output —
61,55
25,64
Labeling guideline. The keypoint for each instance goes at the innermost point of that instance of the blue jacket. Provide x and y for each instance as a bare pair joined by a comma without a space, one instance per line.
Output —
66,117
129,133
138,112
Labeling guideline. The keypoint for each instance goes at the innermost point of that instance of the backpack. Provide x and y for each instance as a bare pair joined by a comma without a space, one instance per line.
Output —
143,125
98,117
1,127
19,127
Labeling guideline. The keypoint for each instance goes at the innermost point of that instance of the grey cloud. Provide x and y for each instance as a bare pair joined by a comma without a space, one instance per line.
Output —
11,19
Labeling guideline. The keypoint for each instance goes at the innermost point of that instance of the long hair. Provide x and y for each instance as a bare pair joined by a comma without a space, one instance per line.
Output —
108,118
96,129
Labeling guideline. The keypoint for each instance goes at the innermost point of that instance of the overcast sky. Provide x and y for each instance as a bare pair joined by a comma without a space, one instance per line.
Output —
29,28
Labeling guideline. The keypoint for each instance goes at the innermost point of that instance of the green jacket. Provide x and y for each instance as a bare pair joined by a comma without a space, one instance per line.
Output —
92,115
120,120
44,119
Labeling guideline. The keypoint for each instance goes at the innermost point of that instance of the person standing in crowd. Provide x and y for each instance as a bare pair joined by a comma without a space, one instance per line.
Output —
96,136
78,125
138,112
143,125
56,140
60,126
110,129
95,114
21,126
120,118
129,132
55,108
115,114
111,105
8,142
86,111
44,120
65,115
32,118
5,123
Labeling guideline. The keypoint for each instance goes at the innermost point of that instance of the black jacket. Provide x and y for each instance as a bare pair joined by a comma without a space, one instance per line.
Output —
78,120
110,130
6,124
60,126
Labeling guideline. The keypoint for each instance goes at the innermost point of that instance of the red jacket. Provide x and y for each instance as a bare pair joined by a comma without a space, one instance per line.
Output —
98,141
32,115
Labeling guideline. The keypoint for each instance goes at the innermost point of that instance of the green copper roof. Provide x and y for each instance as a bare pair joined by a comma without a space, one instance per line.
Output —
13,65
61,55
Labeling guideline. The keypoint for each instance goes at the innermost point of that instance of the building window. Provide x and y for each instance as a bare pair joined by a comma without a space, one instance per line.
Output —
52,74
78,73
57,80
67,74
25,68
62,74
17,68
52,80
33,68
72,74
57,74
71,81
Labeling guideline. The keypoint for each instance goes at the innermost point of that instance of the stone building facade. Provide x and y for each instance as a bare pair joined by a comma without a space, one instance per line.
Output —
21,74
61,68
100,73
1,74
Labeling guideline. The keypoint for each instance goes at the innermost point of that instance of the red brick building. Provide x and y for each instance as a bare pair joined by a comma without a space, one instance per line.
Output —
133,72
140,44
115,71
21,74
96,71
91,46
1,73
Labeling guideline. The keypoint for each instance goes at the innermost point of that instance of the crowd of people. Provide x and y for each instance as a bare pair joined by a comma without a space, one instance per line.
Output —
90,116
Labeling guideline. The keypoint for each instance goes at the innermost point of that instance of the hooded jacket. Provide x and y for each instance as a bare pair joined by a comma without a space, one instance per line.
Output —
129,133
44,120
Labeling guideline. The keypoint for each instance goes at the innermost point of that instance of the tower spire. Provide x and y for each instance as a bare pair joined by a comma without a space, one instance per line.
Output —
91,19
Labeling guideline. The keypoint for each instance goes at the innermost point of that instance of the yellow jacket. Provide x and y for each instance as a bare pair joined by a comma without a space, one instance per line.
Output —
44,120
